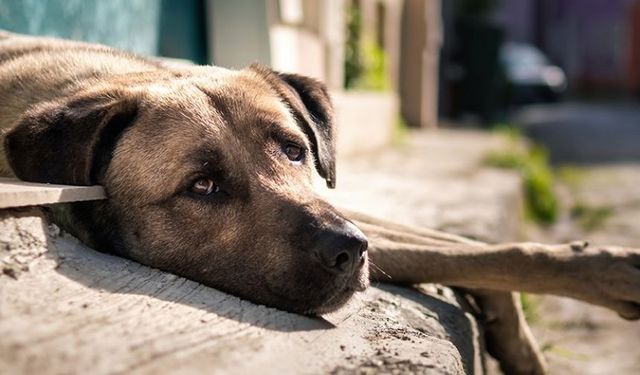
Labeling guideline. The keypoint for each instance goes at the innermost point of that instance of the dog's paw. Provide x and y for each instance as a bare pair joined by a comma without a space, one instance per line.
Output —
608,276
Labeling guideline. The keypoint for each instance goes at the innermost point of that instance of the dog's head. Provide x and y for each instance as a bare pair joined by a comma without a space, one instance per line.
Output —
208,174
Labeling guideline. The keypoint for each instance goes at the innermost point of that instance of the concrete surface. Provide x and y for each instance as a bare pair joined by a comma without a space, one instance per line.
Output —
70,309
365,121
585,133
65,308
435,179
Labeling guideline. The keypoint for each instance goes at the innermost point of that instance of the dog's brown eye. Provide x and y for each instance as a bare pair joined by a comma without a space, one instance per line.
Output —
204,186
294,152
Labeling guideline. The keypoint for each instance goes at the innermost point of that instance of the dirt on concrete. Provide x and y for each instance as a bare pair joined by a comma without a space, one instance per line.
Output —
19,247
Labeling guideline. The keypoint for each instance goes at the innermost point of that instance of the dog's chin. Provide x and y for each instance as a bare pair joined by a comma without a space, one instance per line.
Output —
335,303
359,283
326,299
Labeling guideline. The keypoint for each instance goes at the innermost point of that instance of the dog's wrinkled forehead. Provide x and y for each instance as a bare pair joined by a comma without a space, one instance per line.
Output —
229,125
244,102
224,104
165,116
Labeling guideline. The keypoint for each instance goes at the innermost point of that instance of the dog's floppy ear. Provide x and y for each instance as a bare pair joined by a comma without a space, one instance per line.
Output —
311,104
69,141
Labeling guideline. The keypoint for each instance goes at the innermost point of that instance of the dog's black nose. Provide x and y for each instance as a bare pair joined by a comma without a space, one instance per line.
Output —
341,249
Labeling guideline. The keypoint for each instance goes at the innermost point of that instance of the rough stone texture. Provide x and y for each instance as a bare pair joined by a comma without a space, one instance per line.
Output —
80,311
20,245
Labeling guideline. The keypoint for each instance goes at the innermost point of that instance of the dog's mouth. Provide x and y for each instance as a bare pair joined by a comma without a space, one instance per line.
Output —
324,297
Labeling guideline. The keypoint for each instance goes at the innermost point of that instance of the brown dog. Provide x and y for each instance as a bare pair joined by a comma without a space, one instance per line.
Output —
208,170
208,173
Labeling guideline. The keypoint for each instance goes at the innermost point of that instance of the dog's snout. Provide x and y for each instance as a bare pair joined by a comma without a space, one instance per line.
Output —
342,249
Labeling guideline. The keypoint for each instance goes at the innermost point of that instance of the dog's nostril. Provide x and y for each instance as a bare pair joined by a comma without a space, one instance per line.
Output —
341,249
343,257
343,261
363,247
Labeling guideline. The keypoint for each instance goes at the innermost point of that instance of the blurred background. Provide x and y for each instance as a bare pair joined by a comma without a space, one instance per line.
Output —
499,120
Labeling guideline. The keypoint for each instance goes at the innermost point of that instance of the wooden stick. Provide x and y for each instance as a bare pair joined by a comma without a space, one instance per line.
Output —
16,193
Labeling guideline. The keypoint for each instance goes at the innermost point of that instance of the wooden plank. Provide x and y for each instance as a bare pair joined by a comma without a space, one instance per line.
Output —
16,193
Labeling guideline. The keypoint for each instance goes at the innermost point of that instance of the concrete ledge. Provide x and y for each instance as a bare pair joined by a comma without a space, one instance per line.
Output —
436,180
76,311
365,121
65,308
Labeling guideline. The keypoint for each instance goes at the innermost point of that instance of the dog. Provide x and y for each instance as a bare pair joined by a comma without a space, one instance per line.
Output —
209,173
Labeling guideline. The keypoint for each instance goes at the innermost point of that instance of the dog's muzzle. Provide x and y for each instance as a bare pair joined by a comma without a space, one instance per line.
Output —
341,249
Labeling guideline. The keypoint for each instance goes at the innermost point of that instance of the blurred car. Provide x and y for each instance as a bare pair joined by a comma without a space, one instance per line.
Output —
530,77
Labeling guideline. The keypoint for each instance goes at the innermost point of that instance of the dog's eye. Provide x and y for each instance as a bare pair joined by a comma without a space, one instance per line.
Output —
294,152
204,186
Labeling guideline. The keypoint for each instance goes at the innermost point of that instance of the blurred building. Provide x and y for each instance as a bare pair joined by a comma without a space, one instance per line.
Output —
309,37
302,36
391,47
419,64
127,24
564,49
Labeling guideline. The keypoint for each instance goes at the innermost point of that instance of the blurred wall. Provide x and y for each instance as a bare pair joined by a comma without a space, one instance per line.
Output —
127,24
239,32
183,30
419,62
592,40
301,36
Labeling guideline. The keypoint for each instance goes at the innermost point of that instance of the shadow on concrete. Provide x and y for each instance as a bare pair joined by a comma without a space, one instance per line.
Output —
114,274
457,326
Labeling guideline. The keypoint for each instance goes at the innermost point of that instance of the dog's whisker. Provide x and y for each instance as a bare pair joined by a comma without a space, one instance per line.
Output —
379,269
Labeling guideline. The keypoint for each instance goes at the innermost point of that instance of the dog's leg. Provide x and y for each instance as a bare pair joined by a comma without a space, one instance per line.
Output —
507,333
606,276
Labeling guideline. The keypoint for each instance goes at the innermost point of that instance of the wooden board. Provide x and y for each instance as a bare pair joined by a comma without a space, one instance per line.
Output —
16,193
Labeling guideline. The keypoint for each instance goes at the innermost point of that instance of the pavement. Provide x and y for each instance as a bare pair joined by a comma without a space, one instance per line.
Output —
73,310
583,132
579,338
596,147
435,179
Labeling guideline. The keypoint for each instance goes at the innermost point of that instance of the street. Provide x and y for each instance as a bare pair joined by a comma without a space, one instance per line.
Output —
584,133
